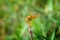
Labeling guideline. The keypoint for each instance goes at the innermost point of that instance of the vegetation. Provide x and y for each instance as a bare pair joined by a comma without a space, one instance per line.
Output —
29,19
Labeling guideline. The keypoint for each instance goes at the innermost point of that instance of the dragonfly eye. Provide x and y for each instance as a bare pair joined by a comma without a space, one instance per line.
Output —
29,18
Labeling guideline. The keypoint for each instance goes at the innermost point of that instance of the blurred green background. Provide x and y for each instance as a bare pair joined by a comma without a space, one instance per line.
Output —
13,25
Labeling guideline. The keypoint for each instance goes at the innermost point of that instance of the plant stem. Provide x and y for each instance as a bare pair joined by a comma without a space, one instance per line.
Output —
31,35
30,31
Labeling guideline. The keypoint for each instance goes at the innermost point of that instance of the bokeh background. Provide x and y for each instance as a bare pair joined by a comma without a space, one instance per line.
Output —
13,14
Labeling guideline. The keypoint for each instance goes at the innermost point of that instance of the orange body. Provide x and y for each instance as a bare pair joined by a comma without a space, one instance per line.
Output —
29,18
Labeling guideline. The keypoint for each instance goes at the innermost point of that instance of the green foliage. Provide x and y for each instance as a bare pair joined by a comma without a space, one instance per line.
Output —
45,27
